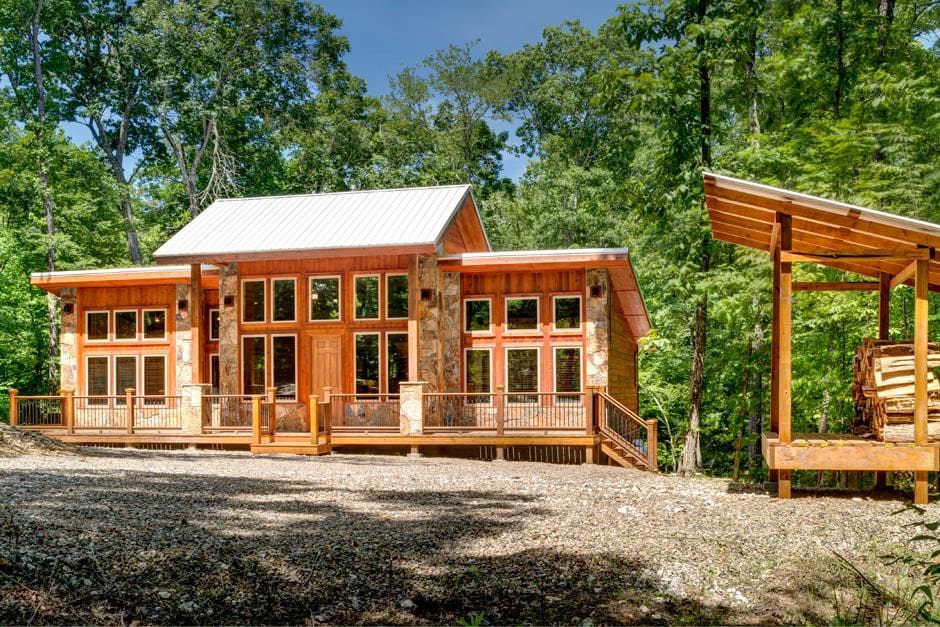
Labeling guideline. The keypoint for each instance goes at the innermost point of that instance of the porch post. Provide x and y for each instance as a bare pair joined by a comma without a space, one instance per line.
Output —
256,419
920,372
68,408
411,411
192,407
652,444
195,317
783,272
129,406
14,411
884,326
413,294
314,413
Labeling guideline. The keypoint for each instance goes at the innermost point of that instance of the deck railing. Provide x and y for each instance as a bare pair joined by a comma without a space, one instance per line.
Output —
226,412
365,412
545,411
626,429
501,412
40,411
457,411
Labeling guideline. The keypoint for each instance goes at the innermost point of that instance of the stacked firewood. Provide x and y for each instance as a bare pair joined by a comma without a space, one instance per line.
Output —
883,390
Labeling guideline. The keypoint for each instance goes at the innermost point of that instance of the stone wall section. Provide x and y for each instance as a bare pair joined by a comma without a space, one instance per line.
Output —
183,337
438,327
597,328
68,339
228,330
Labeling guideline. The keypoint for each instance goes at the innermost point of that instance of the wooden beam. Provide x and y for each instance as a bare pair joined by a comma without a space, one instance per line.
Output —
904,275
884,306
775,236
835,286
874,254
195,320
414,293
785,332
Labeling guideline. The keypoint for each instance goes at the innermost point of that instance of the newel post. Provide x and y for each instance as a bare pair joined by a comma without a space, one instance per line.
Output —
652,444
129,406
14,410
68,409
256,419
314,411
272,410
500,410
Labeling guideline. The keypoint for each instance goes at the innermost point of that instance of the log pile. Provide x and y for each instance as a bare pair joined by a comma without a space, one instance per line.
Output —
883,390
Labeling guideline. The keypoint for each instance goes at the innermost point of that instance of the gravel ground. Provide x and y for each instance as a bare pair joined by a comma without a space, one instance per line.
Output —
119,535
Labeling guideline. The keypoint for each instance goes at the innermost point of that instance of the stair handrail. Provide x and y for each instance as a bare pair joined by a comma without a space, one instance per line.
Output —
650,426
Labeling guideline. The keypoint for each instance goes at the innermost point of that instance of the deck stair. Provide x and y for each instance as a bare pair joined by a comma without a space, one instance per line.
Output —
625,438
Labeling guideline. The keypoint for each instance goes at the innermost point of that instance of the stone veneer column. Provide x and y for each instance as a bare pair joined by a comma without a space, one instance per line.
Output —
191,406
412,407
184,339
228,330
597,327
68,339
438,327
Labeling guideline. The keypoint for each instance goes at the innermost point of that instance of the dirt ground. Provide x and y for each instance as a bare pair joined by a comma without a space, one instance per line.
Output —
121,535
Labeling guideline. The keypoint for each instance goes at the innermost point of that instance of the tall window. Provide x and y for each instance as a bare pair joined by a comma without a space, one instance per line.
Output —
522,314
367,297
477,315
324,298
154,378
213,324
253,372
367,363
154,324
567,313
253,301
478,372
522,374
96,326
284,366
125,375
568,371
125,325
396,360
396,296
96,378
284,299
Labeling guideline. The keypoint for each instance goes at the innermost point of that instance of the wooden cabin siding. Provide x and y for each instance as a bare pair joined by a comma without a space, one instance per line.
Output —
465,234
622,372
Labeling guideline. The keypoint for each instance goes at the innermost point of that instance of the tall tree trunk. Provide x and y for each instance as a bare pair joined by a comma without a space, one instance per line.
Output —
840,59
745,406
42,166
756,423
750,72
886,19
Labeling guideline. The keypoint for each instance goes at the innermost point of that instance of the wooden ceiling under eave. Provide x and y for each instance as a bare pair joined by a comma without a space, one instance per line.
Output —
742,212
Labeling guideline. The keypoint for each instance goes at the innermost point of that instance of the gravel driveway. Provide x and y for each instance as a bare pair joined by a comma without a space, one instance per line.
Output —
118,535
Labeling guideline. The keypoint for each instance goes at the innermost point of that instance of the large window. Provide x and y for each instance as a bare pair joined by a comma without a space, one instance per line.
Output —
367,297
213,324
96,326
253,371
284,366
367,363
477,315
567,313
154,324
522,374
396,296
324,298
154,378
284,300
478,371
568,371
522,314
125,325
253,301
125,375
396,363
96,377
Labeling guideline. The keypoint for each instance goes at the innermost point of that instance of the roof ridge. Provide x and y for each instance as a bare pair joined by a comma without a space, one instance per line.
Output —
349,191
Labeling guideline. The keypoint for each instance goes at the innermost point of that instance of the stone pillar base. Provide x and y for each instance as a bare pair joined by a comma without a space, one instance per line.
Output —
191,407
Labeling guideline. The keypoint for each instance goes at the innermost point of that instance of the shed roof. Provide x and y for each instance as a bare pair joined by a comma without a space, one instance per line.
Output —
266,227
743,212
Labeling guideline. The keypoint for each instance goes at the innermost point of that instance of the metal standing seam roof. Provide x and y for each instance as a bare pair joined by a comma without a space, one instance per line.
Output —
358,219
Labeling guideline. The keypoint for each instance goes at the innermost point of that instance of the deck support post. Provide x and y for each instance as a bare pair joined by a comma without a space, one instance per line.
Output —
129,406
500,454
500,399
884,333
781,386
14,411
415,451
68,409
920,372
256,419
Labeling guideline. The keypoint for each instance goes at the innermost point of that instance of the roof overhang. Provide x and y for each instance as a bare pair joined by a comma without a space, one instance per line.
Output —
53,282
616,260
838,235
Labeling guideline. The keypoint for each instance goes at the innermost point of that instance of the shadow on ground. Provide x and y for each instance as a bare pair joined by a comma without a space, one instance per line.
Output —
109,546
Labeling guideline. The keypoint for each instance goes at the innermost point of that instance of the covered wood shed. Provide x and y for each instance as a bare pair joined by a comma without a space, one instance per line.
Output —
892,250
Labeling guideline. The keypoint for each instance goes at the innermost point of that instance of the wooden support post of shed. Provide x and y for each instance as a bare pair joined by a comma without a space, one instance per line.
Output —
775,335
920,372
195,321
783,297
884,326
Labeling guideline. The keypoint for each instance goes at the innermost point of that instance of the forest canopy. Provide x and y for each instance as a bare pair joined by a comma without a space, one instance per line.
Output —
189,101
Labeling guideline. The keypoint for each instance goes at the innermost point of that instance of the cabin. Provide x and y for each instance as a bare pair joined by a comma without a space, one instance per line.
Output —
896,394
354,320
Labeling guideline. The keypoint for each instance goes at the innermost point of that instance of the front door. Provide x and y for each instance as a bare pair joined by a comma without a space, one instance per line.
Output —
327,363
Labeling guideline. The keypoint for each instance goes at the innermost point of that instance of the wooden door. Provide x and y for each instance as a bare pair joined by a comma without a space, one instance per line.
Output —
326,363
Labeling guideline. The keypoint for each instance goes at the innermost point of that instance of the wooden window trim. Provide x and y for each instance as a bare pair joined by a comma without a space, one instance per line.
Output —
464,319
218,311
107,376
384,358
142,378
107,334
137,324
364,275
269,366
355,360
270,312
538,315
538,372
466,369
244,301
580,328
114,378
389,275
143,325
339,297
241,360
577,347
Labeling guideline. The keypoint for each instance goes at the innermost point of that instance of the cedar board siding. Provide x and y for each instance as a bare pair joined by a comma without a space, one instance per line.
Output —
622,360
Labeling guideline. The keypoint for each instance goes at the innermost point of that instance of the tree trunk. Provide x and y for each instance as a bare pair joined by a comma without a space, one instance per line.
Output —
840,59
886,19
756,423
750,72
133,244
745,405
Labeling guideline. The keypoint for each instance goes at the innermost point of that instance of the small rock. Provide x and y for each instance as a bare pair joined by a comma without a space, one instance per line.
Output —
408,605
